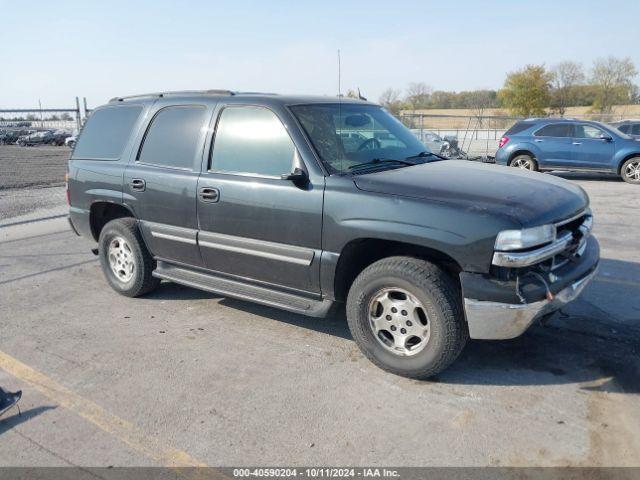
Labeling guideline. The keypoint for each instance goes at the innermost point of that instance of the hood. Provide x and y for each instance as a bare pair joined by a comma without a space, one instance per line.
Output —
529,198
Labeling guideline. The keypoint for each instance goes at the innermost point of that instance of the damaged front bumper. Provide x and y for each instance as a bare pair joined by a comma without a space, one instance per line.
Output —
495,310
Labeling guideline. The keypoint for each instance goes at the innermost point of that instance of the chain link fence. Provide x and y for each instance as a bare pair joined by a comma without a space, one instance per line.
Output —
476,135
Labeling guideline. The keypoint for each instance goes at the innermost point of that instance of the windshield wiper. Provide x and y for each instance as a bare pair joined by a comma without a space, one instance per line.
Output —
426,154
378,161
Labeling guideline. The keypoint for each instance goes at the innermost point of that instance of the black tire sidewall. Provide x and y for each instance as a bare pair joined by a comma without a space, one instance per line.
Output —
409,363
437,354
116,228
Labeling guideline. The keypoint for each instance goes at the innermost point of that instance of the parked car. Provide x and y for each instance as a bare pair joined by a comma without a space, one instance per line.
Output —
566,144
70,141
36,138
431,140
10,136
59,137
256,197
446,147
630,127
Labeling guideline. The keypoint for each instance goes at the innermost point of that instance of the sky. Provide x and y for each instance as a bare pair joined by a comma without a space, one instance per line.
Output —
55,51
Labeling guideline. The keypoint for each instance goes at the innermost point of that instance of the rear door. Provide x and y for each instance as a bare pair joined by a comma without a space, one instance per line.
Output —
593,148
554,144
161,181
253,224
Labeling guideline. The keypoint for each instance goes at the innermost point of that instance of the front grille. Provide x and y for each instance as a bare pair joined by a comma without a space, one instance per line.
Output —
579,227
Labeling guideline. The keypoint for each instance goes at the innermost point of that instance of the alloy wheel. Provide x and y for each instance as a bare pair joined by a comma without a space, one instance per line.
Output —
121,259
399,321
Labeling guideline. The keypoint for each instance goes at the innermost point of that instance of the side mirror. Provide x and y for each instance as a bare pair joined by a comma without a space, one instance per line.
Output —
297,176
606,138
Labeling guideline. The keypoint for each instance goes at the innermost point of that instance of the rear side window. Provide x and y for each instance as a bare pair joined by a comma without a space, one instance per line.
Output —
106,133
251,140
518,127
636,129
173,137
555,130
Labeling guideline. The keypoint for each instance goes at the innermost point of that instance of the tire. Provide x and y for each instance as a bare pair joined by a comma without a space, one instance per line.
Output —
439,300
630,171
524,162
121,243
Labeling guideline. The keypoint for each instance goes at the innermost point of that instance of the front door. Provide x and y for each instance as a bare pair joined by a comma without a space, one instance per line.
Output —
161,183
254,224
592,148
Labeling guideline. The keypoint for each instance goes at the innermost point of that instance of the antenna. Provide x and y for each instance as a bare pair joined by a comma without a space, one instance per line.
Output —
340,112
339,89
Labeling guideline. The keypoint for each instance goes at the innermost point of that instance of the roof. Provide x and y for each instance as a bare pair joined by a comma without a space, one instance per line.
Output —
199,95
559,119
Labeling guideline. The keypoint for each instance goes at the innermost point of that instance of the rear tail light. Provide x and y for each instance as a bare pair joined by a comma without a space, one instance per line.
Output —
503,142
66,184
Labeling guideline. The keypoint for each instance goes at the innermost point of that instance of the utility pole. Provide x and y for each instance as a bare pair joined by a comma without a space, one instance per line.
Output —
78,121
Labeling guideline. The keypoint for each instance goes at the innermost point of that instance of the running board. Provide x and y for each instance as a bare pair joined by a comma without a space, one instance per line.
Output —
242,291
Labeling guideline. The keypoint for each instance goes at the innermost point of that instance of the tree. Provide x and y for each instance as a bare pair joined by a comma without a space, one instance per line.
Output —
418,94
565,76
390,99
66,116
614,79
526,91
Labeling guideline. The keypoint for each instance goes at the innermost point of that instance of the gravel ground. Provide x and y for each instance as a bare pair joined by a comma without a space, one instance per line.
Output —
32,181
22,167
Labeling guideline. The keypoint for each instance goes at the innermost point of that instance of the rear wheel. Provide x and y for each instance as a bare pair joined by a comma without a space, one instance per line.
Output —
524,162
405,315
630,171
125,260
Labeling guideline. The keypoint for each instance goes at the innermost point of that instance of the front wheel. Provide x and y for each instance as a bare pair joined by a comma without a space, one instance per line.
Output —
525,162
406,316
125,260
630,171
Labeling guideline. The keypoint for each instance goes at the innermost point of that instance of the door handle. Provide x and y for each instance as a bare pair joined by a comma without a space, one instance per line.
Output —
537,140
209,194
577,143
138,184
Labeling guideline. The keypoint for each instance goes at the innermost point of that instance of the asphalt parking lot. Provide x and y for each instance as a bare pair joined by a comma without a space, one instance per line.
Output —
185,377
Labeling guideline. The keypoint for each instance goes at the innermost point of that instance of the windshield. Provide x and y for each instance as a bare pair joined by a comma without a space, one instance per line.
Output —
348,134
615,131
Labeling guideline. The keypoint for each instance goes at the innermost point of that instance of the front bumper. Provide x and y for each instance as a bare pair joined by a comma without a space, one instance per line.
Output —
495,312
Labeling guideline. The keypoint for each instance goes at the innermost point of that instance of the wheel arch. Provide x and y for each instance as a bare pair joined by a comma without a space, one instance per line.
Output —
626,157
101,213
521,151
359,253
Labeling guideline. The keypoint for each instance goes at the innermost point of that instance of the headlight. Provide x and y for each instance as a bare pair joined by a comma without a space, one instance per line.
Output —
525,238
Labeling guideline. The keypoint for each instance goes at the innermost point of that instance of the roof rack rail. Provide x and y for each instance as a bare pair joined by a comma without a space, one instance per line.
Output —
176,92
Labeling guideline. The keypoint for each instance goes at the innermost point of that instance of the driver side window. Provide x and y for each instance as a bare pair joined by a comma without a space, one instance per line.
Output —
588,131
251,140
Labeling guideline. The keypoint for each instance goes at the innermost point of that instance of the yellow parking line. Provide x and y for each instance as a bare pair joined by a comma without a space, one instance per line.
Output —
126,432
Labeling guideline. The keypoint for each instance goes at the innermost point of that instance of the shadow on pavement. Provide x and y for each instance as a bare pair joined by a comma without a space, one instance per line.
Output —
581,344
586,176
16,419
